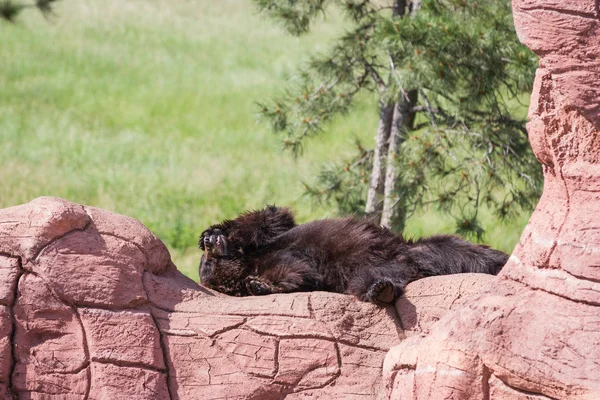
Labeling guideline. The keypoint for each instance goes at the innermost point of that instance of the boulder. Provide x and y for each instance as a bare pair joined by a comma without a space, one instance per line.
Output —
533,332
91,307
427,300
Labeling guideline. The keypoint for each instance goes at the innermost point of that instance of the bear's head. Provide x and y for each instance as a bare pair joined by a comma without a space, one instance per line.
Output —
221,266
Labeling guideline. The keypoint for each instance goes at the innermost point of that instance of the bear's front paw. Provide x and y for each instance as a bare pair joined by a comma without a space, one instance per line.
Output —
256,287
205,239
214,242
383,291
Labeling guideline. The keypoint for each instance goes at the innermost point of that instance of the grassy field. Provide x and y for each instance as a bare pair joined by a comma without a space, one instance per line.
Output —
147,108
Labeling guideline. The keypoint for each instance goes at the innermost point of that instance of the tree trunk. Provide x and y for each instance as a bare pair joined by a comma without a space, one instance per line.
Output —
394,118
394,217
375,193
399,8
414,7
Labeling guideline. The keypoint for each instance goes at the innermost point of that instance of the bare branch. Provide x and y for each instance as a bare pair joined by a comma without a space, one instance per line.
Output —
376,77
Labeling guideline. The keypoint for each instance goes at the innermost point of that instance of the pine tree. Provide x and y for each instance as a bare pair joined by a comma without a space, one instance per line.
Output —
447,74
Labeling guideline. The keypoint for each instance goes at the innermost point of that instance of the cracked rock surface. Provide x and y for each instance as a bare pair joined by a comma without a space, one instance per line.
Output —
91,307
534,332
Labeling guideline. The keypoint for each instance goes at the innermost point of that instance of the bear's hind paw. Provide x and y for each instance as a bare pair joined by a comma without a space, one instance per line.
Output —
256,287
383,291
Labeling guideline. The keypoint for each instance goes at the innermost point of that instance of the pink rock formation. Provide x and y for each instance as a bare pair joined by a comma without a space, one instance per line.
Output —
91,307
428,300
535,332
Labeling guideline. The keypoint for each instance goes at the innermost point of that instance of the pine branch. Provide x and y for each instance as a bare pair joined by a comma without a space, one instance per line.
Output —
464,150
376,77
9,10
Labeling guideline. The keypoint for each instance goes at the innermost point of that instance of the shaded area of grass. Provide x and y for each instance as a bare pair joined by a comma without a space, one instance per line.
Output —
148,109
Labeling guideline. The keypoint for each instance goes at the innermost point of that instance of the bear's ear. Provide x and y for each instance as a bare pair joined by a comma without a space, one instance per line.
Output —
277,220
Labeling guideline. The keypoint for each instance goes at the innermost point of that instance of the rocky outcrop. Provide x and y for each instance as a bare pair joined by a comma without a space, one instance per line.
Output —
535,332
91,307
426,301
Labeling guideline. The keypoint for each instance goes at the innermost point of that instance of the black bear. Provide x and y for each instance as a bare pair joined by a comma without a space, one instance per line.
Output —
263,252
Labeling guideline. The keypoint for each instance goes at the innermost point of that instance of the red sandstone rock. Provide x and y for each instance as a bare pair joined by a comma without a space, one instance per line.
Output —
26,230
9,272
565,34
91,307
5,346
122,337
535,332
427,300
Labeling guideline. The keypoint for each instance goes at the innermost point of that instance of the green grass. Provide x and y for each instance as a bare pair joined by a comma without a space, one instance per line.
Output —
147,108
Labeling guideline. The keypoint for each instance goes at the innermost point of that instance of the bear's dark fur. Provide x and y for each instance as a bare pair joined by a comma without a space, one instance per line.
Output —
264,252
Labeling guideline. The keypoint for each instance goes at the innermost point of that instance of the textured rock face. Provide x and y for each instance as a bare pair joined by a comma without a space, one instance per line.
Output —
535,332
426,301
91,307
